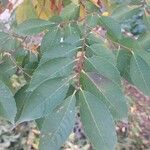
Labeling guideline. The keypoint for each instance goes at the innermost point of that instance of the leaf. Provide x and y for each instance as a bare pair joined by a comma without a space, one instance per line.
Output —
111,95
112,26
94,39
20,97
57,67
63,50
7,103
61,39
58,125
34,26
8,42
51,38
144,41
127,43
102,51
42,9
92,20
146,19
25,11
70,12
29,64
123,63
61,43
7,69
92,8
45,98
140,72
104,67
97,122
39,123
124,12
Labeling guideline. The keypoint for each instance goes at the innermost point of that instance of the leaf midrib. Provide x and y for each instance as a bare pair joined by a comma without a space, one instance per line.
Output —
55,132
140,71
45,100
93,118
117,84
51,76
102,93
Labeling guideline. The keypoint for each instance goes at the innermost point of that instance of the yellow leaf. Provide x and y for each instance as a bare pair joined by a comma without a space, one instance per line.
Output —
42,8
25,11
75,2
82,12
105,13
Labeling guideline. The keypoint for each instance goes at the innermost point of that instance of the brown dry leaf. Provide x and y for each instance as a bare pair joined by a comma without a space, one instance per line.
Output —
56,6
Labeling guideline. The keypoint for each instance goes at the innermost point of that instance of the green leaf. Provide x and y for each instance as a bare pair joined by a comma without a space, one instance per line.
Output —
58,125
92,20
146,19
19,55
112,26
45,98
140,71
61,43
34,26
126,42
144,41
70,12
57,67
39,122
63,50
104,67
51,38
94,39
7,69
91,7
8,42
20,97
30,63
124,12
58,37
102,51
97,122
7,103
123,63
111,95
